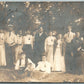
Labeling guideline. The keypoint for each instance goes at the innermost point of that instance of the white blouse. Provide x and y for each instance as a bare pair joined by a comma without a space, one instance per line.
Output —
1,38
28,39
11,38
50,40
69,36
19,39
44,66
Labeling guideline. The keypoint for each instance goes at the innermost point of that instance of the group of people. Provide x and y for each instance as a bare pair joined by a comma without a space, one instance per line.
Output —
42,51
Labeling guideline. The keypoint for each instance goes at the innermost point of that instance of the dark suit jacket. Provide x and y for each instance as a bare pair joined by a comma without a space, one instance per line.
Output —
39,42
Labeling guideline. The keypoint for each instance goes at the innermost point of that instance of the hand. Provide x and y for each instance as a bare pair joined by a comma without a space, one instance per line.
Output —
79,49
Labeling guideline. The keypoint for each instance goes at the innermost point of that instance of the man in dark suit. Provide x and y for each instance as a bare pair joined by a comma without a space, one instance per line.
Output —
39,44
80,61
76,43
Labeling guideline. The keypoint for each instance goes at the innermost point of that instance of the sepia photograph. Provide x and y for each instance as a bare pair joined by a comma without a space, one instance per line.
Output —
41,41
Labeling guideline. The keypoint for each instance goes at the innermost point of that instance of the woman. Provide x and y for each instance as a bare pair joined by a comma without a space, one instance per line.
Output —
2,49
49,47
28,45
59,64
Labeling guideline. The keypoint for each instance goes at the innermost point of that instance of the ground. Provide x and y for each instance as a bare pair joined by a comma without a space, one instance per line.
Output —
7,75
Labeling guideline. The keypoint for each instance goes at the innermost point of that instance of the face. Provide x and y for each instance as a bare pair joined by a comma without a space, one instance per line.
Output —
20,32
78,34
28,32
44,58
34,33
59,36
69,29
41,29
50,33
54,32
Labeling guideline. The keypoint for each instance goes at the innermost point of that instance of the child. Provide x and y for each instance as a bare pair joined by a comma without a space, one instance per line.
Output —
20,63
30,65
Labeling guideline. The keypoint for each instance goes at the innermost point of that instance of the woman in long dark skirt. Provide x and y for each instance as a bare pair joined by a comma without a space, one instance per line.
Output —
28,46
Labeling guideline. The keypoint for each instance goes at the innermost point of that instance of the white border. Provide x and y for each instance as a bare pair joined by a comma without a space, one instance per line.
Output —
44,0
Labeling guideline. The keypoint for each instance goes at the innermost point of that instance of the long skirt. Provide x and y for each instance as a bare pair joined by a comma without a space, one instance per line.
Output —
50,54
28,51
10,53
59,63
2,55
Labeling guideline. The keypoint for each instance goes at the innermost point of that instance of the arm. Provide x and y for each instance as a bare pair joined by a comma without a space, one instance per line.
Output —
45,45
78,49
63,47
38,67
32,42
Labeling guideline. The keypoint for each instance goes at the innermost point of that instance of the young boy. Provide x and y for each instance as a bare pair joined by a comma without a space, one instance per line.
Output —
20,63
30,65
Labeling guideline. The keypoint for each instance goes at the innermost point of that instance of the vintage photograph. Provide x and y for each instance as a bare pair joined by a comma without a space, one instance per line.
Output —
41,41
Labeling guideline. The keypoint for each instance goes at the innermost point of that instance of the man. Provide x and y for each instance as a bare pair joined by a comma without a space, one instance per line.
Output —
68,37
75,45
80,58
76,42
10,48
39,44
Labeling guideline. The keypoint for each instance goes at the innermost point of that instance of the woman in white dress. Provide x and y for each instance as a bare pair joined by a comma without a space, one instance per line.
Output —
49,46
59,63
2,49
